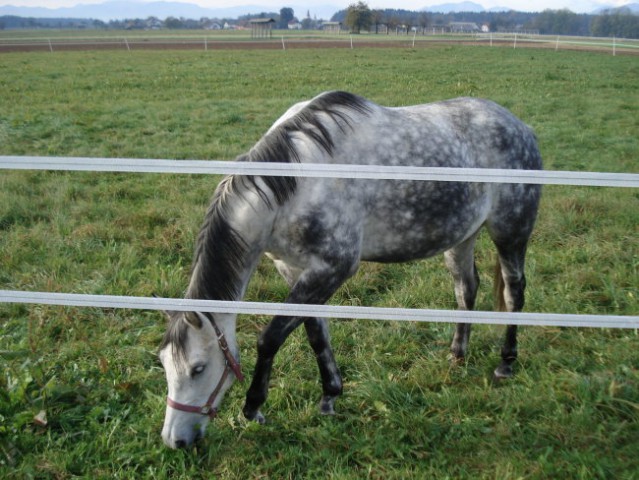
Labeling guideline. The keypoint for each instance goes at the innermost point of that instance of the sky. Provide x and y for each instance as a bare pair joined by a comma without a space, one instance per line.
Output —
579,6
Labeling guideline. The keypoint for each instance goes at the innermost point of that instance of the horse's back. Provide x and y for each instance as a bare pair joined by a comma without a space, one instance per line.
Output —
462,132
338,127
396,220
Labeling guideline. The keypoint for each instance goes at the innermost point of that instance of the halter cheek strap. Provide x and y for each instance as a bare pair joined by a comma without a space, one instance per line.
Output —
231,362
231,365
207,409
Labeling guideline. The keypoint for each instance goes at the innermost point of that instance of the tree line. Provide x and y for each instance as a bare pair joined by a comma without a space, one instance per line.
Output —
620,22
359,17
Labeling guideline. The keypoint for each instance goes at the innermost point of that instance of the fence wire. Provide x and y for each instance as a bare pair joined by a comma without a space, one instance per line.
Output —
375,172
370,172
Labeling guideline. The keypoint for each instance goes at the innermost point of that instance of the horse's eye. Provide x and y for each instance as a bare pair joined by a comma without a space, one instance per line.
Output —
197,370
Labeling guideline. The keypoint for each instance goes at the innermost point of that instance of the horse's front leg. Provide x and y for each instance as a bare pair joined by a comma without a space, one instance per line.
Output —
268,344
318,337
313,287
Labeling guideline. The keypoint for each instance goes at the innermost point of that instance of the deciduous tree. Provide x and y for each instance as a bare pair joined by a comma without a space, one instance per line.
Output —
358,17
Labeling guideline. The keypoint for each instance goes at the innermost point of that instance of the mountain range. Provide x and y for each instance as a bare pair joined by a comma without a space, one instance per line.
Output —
467,6
119,10
463,7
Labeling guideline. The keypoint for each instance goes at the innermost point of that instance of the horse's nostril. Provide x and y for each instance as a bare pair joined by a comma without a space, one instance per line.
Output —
180,444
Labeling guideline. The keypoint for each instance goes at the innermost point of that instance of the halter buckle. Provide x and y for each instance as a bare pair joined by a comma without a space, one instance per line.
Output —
208,411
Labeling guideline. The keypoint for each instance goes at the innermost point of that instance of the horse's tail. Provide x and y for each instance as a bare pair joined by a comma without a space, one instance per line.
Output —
498,288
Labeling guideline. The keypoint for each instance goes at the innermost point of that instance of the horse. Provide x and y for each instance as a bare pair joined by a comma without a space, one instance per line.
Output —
317,231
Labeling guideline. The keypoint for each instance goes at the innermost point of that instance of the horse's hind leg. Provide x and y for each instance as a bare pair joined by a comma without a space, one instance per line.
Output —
511,299
460,261
510,228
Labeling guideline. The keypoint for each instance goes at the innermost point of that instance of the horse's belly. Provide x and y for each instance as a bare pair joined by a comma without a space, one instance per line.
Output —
425,225
389,246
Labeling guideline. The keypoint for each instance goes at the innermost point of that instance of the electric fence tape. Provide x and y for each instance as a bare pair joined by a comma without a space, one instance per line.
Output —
332,311
371,172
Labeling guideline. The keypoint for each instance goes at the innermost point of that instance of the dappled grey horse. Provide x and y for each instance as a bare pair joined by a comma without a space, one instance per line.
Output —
317,231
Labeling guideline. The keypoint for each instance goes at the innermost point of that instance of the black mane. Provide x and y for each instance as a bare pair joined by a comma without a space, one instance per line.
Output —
220,250
278,145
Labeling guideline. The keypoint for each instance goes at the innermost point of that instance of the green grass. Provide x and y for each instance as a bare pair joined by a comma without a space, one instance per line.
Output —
571,412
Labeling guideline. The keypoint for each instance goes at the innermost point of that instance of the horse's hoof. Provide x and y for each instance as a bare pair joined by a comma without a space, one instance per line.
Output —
327,405
254,416
503,372
259,418
456,360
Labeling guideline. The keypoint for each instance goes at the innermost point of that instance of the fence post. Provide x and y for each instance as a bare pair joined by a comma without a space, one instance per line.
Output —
614,46
283,44
50,46
515,43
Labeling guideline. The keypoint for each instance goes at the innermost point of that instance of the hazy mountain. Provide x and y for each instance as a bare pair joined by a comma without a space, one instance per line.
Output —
475,7
633,7
456,7
118,10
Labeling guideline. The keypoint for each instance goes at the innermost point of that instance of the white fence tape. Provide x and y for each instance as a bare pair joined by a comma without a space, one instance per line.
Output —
332,311
320,170
377,172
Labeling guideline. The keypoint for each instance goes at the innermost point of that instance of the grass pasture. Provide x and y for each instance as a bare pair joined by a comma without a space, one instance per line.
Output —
572,411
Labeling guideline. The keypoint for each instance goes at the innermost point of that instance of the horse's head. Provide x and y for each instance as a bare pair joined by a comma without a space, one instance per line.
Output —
200,363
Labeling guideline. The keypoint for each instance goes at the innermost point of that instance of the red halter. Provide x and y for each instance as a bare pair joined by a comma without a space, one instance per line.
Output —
231,365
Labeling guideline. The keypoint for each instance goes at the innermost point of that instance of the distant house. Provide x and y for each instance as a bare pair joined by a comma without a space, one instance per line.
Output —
332,27
153,23
261,27
294,25
463,27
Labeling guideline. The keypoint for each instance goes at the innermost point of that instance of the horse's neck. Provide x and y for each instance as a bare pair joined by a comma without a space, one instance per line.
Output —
230,250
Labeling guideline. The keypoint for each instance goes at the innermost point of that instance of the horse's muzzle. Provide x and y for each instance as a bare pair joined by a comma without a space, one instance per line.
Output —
183,441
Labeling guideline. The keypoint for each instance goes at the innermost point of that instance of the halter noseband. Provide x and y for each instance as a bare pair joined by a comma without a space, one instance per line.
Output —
230,365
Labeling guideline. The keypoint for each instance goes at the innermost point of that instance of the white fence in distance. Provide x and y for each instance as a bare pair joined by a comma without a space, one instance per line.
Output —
210,41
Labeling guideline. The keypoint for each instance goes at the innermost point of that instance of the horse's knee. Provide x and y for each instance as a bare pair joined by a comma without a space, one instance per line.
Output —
514,293
274,335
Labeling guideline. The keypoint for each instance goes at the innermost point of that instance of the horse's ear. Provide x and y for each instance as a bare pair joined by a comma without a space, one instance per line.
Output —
194,319
204,317
169,314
